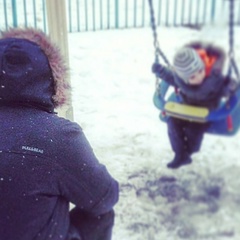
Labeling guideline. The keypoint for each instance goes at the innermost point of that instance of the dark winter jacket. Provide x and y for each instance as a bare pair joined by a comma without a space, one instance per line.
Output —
213,88
46,161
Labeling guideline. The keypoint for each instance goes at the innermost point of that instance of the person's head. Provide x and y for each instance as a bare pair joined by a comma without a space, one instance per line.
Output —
189,66
32,69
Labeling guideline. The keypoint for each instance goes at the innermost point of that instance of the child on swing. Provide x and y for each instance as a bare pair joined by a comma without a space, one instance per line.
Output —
197,74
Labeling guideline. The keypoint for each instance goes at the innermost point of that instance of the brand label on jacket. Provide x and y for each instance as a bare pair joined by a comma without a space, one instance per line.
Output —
32,149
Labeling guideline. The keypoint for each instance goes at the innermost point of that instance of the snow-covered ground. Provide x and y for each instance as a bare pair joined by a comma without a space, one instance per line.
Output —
112,101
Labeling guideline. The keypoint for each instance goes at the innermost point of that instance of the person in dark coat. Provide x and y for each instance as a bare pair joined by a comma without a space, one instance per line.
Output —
46,162
197,75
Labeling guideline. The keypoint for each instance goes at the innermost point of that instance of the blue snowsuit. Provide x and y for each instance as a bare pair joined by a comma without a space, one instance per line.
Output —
46,162
185,136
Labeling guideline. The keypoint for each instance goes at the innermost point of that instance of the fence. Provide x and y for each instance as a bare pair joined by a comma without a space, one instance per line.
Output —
91,15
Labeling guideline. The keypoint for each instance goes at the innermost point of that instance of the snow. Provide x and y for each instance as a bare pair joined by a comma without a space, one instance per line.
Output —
112,101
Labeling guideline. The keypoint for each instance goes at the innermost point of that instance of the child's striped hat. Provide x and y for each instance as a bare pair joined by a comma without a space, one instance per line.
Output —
187,62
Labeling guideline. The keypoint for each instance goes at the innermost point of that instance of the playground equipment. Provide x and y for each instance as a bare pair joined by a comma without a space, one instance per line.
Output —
57,28
225,120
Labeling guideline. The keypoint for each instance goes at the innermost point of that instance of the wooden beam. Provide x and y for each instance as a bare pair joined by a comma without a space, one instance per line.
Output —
57,28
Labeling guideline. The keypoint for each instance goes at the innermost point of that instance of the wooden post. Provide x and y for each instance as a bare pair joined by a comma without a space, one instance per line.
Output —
57,27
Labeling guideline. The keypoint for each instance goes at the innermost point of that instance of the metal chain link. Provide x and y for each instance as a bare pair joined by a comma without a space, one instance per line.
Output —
232,63
231,18
158,51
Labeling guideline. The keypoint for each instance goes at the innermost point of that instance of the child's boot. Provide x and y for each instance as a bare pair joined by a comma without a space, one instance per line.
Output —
179,160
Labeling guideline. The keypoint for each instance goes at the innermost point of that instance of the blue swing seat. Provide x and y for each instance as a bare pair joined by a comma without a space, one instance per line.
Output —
224,120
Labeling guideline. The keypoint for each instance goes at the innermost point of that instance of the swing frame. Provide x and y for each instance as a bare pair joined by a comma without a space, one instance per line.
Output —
224,120
57,28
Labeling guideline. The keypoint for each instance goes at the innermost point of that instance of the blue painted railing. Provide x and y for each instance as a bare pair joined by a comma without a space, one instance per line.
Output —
92,15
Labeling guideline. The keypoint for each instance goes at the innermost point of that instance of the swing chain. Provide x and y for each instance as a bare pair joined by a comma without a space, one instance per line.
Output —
232,63
156,44
158,51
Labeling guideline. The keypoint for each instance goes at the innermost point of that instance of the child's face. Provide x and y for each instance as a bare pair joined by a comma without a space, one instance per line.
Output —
197,78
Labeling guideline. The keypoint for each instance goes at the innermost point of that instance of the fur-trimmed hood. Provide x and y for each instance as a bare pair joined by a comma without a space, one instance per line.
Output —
28,55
